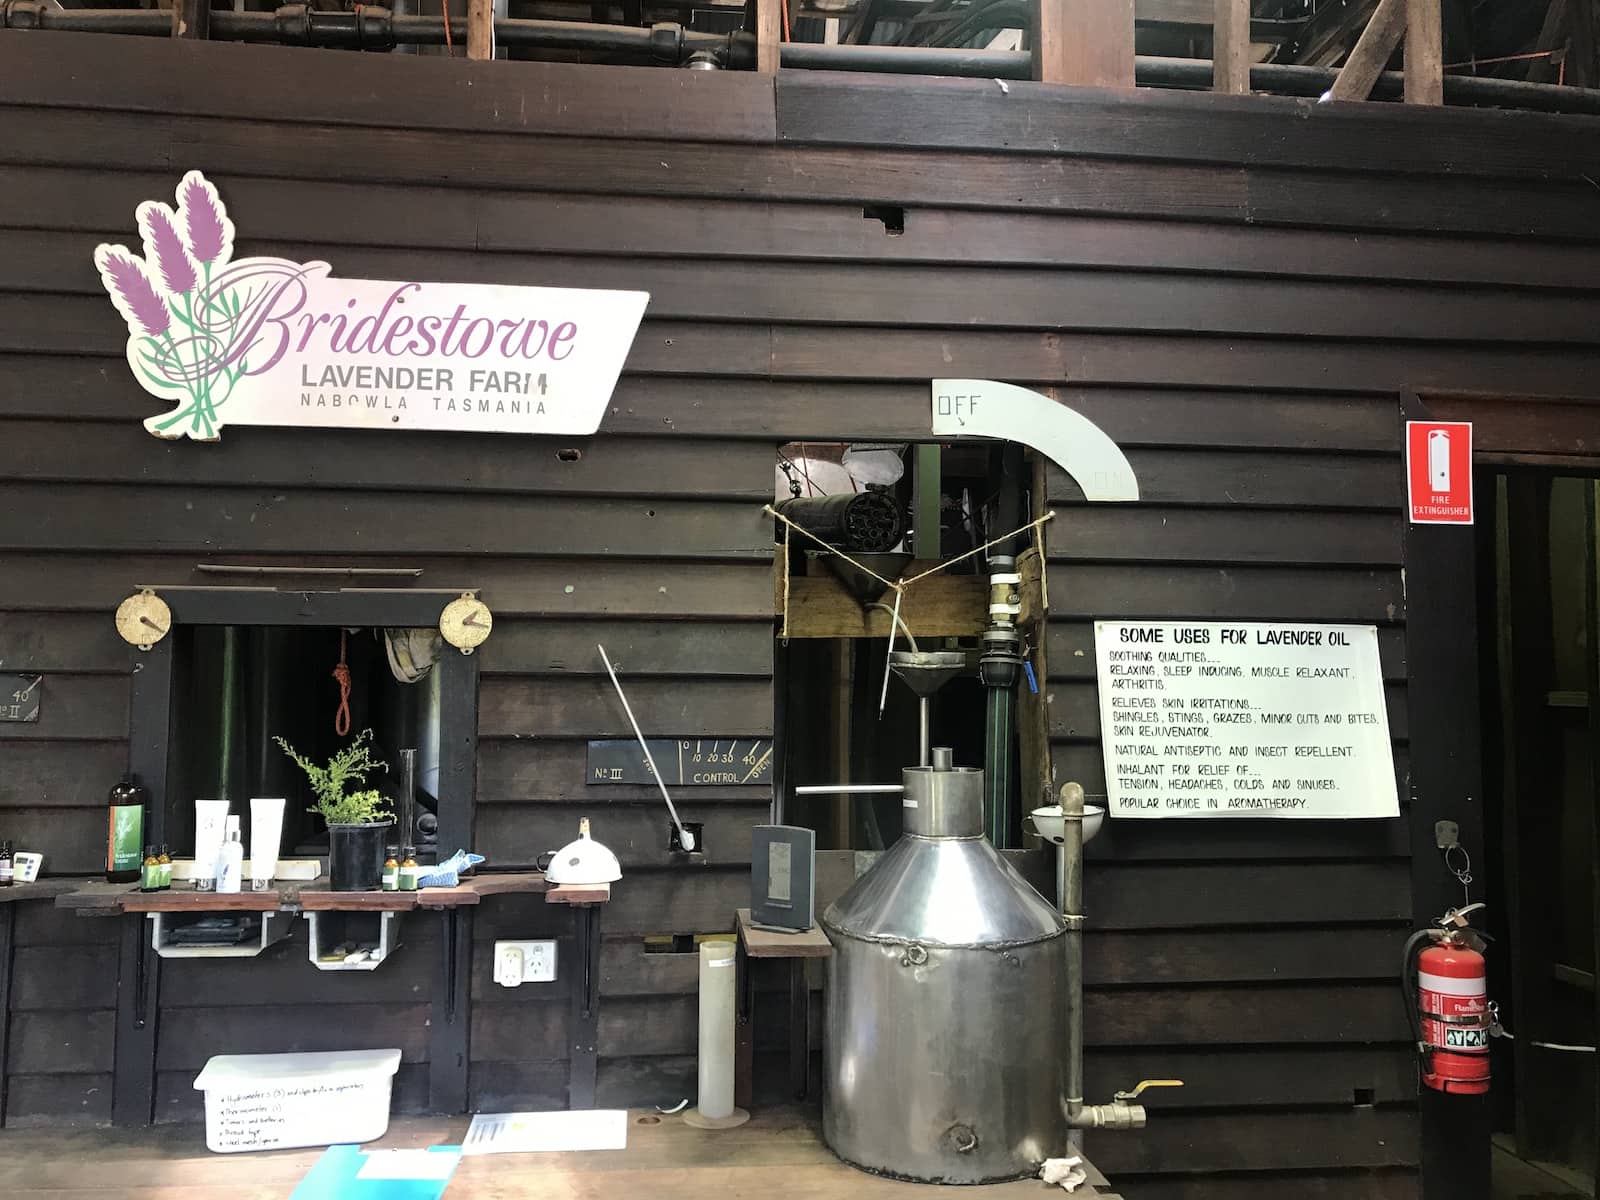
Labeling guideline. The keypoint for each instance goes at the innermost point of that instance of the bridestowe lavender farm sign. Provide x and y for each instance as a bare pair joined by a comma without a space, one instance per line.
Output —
266,341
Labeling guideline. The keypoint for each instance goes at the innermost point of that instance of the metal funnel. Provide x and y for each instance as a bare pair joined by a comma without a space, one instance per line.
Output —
926,671
891,565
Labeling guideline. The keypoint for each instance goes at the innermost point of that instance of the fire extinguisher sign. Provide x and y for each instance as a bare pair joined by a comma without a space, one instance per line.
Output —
1439,472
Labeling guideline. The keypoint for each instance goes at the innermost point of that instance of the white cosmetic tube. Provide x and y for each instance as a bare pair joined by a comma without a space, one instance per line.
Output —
210,816
266,829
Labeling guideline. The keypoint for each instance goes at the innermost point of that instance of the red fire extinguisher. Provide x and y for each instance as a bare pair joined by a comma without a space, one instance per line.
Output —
1447,1000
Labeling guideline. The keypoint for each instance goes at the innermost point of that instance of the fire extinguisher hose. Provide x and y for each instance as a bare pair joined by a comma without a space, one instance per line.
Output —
1409,983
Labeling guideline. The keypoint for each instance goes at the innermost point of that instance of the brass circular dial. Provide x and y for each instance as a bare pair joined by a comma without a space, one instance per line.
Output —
143,619
466,622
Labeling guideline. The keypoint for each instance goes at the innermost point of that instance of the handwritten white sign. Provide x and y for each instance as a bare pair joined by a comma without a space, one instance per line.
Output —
268,341
1241,719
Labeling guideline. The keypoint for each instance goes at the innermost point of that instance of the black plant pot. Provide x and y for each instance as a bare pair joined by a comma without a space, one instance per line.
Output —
356,854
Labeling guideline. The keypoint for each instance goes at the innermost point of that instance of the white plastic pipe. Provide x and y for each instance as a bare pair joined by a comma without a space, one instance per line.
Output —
716,1030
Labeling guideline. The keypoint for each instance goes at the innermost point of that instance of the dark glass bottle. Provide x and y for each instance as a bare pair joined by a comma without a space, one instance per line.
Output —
125,831
7,867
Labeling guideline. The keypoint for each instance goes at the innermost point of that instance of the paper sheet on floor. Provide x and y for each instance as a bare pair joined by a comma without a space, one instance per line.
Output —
525,1132
345,1173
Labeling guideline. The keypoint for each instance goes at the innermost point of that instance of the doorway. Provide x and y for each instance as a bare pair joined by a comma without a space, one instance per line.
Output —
1538,567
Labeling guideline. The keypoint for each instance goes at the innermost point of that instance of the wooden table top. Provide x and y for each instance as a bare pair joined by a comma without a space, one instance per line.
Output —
39,889
97,898
767,943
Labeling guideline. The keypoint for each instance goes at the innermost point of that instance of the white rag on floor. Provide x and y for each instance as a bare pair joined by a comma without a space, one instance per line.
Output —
1064,1171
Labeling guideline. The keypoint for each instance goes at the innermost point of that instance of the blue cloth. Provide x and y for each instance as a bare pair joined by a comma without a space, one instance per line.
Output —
448,873
335,1176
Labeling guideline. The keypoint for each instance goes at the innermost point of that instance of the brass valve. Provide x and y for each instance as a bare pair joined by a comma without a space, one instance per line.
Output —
1129,1097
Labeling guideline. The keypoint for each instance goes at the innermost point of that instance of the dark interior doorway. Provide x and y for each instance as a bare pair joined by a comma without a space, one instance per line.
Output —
1538,568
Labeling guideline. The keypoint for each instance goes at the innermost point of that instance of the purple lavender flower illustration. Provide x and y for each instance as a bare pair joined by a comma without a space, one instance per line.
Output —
210,232
136,298
165,249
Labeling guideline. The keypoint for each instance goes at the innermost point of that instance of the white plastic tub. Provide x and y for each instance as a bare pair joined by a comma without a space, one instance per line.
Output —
277,1101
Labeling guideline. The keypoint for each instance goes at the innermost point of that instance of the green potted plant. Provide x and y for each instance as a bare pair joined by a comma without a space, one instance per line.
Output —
358,820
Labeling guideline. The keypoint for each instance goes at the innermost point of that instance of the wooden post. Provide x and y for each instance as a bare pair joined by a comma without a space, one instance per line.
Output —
1371,55
480,28
191,19
769,35
1424,52
1230,47
1086,42
1442,639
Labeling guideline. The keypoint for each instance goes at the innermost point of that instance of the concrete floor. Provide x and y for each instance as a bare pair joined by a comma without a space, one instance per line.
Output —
1518,1180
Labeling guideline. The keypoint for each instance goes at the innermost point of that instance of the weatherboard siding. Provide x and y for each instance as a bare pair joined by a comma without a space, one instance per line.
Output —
1235,289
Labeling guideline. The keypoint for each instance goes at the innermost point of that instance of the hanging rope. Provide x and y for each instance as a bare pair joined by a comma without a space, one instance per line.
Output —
905,583
899,586
341,717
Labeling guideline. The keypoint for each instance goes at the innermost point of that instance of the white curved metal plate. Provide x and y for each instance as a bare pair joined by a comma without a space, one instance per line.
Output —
988,408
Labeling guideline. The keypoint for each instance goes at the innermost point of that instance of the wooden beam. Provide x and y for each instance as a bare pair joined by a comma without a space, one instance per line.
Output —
191,19
769,35
1085,42
1371,53
1424,52
480,29
942,605
1230,47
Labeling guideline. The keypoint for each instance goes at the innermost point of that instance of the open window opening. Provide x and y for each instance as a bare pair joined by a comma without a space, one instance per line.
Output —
897,510
242,667
238,688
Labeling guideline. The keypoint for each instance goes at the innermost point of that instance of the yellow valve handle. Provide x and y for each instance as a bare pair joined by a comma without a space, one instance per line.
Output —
1148,1083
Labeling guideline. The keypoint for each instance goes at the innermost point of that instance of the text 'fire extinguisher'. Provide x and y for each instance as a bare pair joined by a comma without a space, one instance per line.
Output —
1445,980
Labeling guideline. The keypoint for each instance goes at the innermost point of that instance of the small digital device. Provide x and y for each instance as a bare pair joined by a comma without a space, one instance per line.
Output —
783,877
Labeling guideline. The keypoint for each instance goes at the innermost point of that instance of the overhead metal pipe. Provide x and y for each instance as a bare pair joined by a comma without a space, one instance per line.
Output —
375,28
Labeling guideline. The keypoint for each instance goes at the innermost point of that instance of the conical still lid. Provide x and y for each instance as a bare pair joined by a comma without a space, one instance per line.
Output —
926,671
890,565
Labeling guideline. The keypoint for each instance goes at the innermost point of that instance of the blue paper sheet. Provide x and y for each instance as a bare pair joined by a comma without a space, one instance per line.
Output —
337,1176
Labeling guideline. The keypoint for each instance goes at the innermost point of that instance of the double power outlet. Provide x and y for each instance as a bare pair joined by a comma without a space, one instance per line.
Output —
516,963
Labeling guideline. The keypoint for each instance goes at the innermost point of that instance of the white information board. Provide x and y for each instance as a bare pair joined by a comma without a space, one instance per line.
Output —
1241,719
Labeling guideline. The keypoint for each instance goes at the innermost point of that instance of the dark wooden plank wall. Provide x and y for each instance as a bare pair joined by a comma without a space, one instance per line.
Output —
1233,287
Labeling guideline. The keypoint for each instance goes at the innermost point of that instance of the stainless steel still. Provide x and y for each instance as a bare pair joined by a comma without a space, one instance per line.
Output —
945,1028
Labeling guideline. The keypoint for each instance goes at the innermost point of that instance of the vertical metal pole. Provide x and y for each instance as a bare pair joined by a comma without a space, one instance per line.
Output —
922,730
925,485
1071,871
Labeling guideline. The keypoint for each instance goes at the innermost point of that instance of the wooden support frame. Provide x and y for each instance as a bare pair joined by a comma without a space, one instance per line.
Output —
1424,52
583,1060
480,29
1230,47
1419,23
191,19
1372,52
138,978
769,35
450,1024
1085,42
8,958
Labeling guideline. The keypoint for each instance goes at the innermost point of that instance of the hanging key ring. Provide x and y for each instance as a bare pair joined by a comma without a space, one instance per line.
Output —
1463,873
